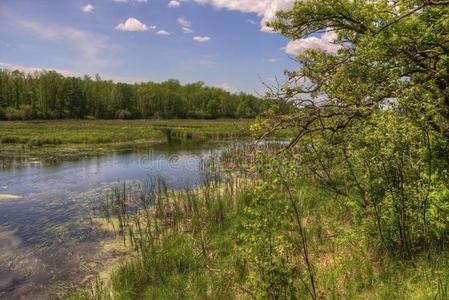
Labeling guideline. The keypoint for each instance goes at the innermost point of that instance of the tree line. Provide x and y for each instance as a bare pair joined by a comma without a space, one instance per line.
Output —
50,95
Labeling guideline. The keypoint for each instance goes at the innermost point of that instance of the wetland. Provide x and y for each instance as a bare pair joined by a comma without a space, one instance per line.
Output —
51,238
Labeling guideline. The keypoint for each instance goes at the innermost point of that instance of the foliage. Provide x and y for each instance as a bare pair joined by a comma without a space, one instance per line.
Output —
402,181
371,118
49,95
123,114
13,114
273,247
372,127
118,131
239,238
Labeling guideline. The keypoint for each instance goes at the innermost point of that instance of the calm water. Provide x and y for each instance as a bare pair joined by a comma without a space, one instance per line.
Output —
47,243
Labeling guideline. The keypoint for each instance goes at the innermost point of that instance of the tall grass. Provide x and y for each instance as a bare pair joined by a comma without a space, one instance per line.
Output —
169,231
37,133
191,243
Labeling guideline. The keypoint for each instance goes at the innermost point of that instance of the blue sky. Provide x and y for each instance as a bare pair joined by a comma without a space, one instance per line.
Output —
220,42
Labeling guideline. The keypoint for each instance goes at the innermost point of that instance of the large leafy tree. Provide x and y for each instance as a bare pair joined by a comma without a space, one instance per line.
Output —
372,119
390,50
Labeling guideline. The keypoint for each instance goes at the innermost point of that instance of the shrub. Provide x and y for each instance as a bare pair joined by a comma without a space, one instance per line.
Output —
27,112
269,235
44,141
123,114
13,114
9,140
404,193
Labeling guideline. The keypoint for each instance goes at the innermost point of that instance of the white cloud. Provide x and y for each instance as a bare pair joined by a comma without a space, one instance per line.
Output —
201,39
184,22
325,43
174,3
227,87
87,43
273,60
266,9
30,70
186,25
251,21
133,24
163,32
88,8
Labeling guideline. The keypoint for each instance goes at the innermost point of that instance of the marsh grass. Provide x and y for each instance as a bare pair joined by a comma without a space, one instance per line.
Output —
188,243
38,133
55,141
170,233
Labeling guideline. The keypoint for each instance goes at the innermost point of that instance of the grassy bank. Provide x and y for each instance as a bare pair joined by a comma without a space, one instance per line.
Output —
38,133
58,140
255,235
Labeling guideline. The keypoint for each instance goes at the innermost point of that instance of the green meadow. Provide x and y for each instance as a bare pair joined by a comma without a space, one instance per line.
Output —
59,140
254,234
57,132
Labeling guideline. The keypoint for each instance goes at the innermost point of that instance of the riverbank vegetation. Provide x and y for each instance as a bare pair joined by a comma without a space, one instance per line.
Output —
355,207
52,141
256,233
60,132
49,95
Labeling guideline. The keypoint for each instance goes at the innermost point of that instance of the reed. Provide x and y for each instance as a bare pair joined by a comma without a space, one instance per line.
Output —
209,242
39,133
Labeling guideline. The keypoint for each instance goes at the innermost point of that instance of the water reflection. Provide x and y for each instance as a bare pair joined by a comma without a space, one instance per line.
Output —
47,241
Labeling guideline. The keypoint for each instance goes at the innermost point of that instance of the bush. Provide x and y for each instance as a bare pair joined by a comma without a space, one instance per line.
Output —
200,115
43,141
13,114
405,194
123,114
2,114
27,112
9,140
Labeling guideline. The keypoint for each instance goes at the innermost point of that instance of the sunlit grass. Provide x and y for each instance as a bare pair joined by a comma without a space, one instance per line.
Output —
38,133
186,246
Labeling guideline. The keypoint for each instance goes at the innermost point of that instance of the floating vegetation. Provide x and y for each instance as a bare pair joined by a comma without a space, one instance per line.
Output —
9,197
50,142
158,224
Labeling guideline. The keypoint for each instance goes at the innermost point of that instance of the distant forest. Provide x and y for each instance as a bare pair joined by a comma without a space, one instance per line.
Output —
50,95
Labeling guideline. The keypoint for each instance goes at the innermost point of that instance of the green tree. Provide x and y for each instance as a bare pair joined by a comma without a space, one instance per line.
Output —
371,119
49,95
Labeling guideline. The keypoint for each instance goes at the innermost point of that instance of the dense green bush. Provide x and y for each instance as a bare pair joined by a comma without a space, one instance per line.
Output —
372,122
13,114
27,112
123,114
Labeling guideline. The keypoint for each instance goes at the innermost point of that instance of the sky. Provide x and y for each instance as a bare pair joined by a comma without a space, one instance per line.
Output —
223,43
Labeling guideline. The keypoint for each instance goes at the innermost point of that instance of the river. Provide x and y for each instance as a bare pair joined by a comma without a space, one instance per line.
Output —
48,245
